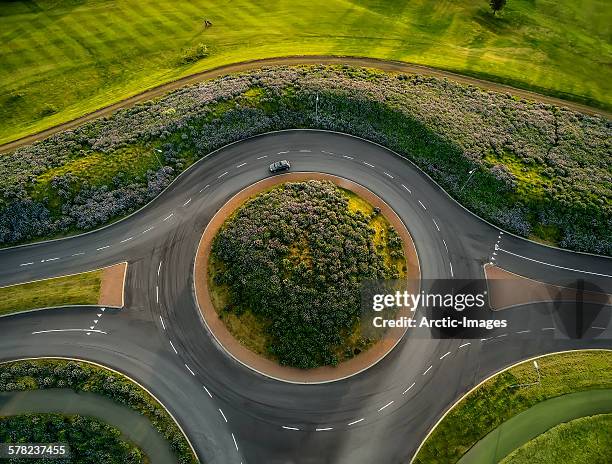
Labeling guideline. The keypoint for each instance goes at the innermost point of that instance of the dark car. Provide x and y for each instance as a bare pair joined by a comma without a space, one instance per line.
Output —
278,166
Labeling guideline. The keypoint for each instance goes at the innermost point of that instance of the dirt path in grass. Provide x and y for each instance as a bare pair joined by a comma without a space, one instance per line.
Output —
266,366
389,66
111,285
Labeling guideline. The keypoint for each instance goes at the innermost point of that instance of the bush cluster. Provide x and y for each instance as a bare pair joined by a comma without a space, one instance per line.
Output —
91,441
296,256
81,376
542,171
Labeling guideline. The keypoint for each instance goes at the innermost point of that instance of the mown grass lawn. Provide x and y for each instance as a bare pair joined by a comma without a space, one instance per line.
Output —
79,289
60,60
581,441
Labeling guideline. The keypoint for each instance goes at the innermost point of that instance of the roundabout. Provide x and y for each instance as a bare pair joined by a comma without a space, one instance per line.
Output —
232,414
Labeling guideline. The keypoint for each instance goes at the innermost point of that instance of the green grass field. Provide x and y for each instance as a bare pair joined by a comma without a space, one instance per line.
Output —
497,400
582,441
62,59
79,289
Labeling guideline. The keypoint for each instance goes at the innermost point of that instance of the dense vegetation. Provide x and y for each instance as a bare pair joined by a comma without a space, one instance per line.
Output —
90,440
496,400
581,441
82,376
542,172
63,59
79,289
296,256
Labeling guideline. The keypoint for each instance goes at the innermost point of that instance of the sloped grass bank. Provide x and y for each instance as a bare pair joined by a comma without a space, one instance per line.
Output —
581,441
499,399
540,171
83,376
64,59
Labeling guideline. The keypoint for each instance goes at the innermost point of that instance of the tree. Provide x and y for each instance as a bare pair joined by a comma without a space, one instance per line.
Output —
497,5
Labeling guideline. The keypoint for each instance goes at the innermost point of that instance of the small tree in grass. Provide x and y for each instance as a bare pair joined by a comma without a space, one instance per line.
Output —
497,5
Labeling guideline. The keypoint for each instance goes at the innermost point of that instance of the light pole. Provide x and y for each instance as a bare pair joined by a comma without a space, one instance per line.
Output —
468,179
157,157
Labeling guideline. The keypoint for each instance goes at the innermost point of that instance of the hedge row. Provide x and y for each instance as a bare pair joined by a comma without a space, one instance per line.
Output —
541,171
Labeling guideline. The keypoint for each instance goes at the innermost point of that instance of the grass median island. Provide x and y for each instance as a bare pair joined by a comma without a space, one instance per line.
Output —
287,267
61,60
541,171
497,400
581,441
78,289
90,440
83,376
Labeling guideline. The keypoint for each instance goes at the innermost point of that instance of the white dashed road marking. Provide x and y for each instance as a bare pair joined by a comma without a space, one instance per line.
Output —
206,389
465,344
168,217
408,389
225,173
290,428
189,369
386,405
356,421
421,203
26,264
428,369
240,165
323,429
409,191
162,322
172,345
368,164
436,224
389,175
149,229
444,355
224,418
187,202
262,157
103,248
126,239
235,443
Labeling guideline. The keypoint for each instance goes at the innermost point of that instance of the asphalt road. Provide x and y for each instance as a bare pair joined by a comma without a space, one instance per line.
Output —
234,415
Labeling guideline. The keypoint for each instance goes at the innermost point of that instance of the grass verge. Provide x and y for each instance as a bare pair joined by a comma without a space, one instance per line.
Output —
83,376
581,441
497,400
78,289
61,60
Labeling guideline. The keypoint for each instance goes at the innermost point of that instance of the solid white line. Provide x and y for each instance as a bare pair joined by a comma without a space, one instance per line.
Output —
422,204
555,265
356,421
436,224
262,157
235,443
149,229
168,217
189,369
157,293
159,268
389,175
524,331
209,394
428,369
26,264
451,269
240,165
388,404
290,428
78,254
187,202
368,164
126,240
222,175
444,355
224,418
103,248
68,330
408,389
446,247
323,429
162,321
204,188
172,345
347,157
409,191
465,344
